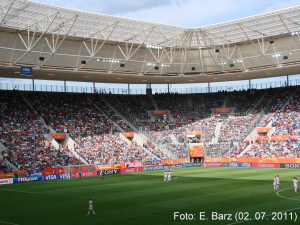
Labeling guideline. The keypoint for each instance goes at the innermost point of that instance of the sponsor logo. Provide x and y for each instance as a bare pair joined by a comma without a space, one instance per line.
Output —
177,166
64,176
193,164
246,165
6,181
293,166
108,172
134,164
87,174
27,179
265,165
212,164
150,168
50,177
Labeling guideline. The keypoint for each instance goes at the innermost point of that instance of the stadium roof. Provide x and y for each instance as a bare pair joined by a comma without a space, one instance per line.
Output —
178,52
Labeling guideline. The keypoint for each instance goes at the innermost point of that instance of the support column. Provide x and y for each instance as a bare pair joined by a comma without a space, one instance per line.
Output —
287,80
208,87
65,86
168,88
249,84
32,84
94,87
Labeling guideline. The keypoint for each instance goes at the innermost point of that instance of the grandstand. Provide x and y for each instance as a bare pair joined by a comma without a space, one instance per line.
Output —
107,126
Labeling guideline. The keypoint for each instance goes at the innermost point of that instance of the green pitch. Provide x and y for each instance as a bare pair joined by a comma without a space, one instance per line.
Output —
144,198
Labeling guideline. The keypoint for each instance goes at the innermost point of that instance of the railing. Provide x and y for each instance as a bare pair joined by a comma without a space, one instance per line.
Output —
106,90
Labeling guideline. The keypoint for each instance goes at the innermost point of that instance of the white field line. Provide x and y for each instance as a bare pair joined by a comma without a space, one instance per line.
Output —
8,223
124,183
286,197
253,219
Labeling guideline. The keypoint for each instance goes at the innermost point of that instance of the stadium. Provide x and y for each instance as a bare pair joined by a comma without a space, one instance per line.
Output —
231,153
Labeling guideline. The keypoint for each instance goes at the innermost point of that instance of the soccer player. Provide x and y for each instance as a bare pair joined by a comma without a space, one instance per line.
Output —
165,176
277,182
90,207
295,184
102,175
79,173
169,175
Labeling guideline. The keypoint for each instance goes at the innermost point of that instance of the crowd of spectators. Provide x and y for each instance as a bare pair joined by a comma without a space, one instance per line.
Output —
22,132
289,148
237,128
108,148
244,101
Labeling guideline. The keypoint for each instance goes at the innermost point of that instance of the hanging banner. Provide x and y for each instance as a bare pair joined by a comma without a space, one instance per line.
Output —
222,110
159,112
263,129
194,132
262,138
196,151
26,70
59,136
128,134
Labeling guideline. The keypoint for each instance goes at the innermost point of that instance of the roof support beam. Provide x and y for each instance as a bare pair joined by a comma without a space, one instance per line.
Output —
286,27
9,7
131,54
97,50
262,53
31,45
55,42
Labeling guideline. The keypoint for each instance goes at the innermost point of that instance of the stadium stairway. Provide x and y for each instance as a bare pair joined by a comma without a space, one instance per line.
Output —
169,114
3,148
174,139
289,98
150,113
154,103
122,117
98,108
225,102
36,112
217,132
245,150
256,104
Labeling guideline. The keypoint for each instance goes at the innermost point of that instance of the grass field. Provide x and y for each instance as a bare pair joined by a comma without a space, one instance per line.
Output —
144,198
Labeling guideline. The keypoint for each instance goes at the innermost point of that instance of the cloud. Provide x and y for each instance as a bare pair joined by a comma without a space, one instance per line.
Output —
111,7
187,13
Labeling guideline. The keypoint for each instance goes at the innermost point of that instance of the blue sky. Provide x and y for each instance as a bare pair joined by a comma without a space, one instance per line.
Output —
187,13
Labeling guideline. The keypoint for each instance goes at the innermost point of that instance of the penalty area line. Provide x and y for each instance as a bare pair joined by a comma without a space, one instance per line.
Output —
8,223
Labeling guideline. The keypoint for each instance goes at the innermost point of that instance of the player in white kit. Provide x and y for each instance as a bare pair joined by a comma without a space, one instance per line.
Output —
165,176
277,182
91,207
295,184
169,175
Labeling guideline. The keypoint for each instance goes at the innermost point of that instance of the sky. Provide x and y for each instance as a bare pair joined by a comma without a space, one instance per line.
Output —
187,13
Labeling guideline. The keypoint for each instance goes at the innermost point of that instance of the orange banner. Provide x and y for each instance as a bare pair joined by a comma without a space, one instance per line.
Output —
258,160
281,137
263,129
262,138
128,134
159,112
59,136
195,132
222,110
196,151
